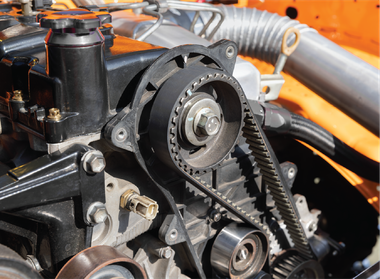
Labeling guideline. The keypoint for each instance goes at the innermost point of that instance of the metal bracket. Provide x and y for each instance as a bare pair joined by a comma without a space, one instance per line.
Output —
274,84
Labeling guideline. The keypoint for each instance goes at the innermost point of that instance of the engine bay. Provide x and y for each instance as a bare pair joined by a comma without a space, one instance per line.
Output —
140,145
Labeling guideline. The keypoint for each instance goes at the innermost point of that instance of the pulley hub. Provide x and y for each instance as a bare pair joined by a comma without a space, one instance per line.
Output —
239,252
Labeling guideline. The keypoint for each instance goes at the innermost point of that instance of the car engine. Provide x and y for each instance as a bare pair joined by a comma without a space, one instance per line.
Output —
136,143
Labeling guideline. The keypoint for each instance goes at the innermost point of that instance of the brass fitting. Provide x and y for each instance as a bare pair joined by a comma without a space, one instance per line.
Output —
17,95
54,114
141,205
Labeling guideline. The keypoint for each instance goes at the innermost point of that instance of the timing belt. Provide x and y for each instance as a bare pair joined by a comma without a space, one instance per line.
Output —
270,171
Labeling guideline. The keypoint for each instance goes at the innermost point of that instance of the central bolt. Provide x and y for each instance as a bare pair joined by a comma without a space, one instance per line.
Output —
242,254
208,124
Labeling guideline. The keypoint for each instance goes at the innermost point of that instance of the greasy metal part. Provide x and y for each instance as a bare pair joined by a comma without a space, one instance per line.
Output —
290,264
93,161
97,213
239,252
54,114
86,263
309,219
140,205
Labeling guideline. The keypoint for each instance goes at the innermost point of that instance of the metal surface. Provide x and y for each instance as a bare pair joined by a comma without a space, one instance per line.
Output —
13,266
97,213
189,83
239,252
141,205
93,161
149,10
338,76
90,261
309,219
191,121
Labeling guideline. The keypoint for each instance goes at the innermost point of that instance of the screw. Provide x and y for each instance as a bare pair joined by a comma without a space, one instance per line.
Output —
216,216
209,124
242,254
166,252
54,114
312,227
291,173
97,213
173,234
121,134
230,51
93,161
17,95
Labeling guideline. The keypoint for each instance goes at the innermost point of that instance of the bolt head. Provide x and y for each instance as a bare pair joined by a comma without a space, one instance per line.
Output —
94,162
209,124
216,217
167,253
100,216
97,213
242,254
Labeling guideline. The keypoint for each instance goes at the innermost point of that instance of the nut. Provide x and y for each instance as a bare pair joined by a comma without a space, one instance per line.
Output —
17,95
93,161
209,124
54,114
97,213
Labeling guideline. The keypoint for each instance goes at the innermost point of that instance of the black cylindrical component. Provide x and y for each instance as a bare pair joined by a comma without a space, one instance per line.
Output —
81,71
75,58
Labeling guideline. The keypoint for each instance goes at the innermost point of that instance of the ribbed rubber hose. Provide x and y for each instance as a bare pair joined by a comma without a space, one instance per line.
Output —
313,134
257,33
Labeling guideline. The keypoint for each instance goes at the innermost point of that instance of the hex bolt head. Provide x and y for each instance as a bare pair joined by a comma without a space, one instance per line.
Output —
97,213
242,254
166,253
291,173
93,161
209,124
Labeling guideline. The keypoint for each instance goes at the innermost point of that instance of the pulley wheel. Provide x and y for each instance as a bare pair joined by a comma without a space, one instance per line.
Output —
239,252
101,262
196,119
13,266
